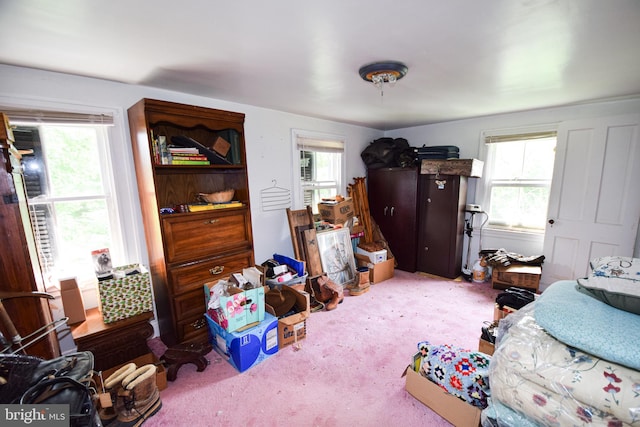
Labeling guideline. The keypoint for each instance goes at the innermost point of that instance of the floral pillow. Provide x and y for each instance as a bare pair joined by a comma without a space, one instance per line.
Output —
460,372
614,281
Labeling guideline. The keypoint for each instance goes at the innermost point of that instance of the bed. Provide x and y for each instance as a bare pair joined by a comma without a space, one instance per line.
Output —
572,357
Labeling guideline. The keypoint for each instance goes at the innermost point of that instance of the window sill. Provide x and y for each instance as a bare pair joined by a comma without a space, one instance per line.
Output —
512,232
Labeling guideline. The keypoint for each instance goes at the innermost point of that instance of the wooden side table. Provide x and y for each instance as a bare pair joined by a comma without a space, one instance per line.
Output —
115,343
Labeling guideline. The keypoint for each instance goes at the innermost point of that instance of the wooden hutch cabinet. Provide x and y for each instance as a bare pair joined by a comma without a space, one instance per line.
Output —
188,249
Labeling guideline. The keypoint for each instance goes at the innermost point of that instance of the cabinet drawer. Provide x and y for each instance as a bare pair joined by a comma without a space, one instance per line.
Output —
189,304
193,276
193,329
190,237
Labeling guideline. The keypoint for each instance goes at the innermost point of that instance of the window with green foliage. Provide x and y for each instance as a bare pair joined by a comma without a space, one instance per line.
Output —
321,167
70,196
518,172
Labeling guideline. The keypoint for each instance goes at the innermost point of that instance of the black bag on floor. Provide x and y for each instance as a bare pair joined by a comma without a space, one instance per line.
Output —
515,298
64,380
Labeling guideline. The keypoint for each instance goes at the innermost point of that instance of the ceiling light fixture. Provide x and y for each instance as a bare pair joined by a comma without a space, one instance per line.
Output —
383,72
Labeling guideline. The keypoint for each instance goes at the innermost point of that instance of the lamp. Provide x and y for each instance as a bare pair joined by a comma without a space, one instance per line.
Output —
380,73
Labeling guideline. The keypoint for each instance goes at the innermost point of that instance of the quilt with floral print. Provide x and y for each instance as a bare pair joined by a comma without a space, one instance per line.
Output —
555,384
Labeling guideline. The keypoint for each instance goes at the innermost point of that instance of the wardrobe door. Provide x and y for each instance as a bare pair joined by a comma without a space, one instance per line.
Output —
392,204
441,224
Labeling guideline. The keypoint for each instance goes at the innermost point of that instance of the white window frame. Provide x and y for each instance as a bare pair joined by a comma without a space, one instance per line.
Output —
118,176
316,141
483,195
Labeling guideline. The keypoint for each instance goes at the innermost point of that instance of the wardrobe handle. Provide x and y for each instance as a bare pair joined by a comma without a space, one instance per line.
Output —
385,210
392,209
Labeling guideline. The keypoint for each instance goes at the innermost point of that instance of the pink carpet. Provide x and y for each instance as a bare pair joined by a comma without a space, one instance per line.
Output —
348,369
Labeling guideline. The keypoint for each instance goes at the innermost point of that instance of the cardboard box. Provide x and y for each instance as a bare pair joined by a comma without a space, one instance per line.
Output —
127,296
145,359
291,331
486,347
337,213
501,313
377,272
521,276
72,301
375,257
455,410
244,349
292,328
240,309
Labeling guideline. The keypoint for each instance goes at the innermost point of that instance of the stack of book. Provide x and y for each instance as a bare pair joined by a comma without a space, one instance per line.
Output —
165,154
186,156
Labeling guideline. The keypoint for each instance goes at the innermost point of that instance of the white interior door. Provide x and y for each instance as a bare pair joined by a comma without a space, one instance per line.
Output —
594,203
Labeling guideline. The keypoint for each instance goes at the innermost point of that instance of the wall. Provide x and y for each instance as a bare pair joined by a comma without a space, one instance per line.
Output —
268,138
268,143
466,134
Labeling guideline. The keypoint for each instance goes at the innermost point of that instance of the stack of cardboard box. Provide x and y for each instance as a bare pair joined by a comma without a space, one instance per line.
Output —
261,334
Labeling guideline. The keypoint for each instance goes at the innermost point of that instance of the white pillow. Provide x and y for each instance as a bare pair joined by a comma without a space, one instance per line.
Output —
614,281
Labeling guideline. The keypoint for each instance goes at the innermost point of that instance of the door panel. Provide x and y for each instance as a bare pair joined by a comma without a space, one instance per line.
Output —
393,205
593,205
440,225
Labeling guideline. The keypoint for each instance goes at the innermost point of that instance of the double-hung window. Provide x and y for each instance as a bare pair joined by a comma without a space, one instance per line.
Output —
518,172
70,190
321,168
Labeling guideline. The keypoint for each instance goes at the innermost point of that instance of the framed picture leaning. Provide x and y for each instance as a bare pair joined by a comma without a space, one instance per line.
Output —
336,255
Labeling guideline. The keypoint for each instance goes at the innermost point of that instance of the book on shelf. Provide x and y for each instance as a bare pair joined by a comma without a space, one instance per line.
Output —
188,156
198,207
155,152
187,162
194,157
163,150
183,150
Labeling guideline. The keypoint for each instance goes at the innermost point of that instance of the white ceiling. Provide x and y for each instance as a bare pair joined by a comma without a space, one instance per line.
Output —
466,58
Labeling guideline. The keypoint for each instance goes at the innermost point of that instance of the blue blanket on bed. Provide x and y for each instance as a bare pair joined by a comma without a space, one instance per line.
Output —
586,323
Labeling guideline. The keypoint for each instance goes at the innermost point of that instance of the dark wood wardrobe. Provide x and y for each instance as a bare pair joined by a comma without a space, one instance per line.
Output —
420,212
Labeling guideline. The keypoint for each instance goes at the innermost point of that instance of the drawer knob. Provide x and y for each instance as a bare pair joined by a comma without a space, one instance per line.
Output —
211,221
216,270
199,324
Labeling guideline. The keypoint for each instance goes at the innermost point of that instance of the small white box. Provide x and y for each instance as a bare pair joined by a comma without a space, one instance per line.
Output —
376,256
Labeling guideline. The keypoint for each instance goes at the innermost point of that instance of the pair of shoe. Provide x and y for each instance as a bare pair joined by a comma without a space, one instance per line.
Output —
131,397
361,284
335,290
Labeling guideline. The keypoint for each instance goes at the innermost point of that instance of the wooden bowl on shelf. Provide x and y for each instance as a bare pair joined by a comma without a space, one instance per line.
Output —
223,196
